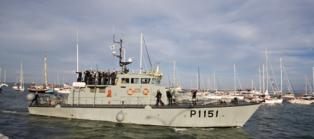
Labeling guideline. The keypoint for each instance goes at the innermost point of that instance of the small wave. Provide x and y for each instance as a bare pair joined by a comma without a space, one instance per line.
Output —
179,129
14,112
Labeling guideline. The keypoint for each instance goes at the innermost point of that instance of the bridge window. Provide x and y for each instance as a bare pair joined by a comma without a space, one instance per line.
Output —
135,80
125,80
155,81
145,80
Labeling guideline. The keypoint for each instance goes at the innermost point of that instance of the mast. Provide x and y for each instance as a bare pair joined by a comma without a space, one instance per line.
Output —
4,76
209,87
234,78
141,54
174,74
280,75
21,76
122,63
77,53
215,81
313,78
198,78
306,82
260,79
263,74
252,83
267,77
45,72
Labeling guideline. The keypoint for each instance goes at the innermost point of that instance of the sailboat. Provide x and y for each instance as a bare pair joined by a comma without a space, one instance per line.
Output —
268,98
3,84
287,95
20,86
306,99
41,88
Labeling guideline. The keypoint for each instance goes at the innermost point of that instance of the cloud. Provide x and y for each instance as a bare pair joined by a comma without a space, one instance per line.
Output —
212,34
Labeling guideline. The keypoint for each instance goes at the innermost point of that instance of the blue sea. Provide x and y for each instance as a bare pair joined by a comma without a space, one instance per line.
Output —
269,122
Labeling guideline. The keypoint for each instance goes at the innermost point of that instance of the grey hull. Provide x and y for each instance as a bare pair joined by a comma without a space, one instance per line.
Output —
230,116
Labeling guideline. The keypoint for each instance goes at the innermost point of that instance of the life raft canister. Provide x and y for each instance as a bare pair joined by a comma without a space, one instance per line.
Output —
131,91
109,93
145,91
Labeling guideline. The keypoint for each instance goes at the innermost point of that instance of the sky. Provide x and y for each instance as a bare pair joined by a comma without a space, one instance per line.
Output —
211,34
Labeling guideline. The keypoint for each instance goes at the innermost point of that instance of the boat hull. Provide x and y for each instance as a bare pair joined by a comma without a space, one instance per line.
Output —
229,116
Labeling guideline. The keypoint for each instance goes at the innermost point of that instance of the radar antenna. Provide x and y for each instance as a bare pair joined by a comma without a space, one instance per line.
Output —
122,64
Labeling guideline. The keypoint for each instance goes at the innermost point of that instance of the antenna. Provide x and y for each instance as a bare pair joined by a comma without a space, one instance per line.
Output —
122,64
77,52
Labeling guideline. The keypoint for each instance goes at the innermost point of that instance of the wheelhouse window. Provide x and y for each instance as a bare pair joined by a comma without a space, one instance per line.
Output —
125,80
145,80
135,80
155,81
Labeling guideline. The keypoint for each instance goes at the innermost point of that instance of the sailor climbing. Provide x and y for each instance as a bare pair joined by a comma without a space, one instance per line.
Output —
158,100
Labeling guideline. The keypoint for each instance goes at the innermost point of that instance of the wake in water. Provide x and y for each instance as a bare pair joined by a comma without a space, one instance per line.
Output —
14,112
180,129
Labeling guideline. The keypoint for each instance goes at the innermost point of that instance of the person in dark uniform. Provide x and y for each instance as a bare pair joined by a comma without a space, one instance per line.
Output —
35,99
158,100
0,89
79,78
194,96
169,96
235,100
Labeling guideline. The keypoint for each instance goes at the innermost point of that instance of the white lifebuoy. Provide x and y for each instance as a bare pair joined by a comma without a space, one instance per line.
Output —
120,116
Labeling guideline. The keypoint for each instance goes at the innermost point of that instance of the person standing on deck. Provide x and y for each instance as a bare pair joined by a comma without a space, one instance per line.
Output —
158,100
169,96
194,96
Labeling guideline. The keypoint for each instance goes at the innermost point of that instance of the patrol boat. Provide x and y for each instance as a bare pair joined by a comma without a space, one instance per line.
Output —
125,97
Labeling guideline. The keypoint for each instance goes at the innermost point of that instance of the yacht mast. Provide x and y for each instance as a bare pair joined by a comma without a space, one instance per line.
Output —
234,78
259,78
45,72
252,83
215,81
4,76
141,54
280,75
306,82
0,73
21,76
267,77
263,74
313,78
198,78
174,74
